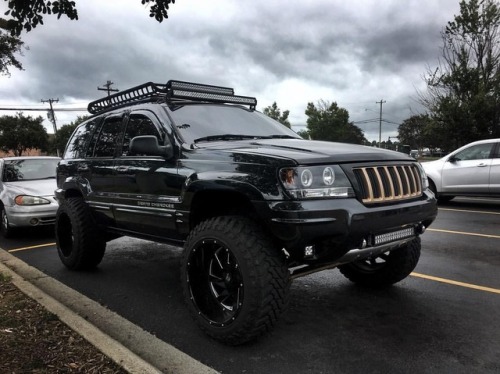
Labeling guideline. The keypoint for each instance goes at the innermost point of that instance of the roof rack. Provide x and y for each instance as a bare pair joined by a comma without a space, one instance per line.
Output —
173,91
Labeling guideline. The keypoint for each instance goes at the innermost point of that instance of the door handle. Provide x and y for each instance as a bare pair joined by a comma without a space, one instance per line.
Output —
482,165
122,169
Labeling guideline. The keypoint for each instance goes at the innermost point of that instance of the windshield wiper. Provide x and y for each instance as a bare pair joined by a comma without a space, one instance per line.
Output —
224,137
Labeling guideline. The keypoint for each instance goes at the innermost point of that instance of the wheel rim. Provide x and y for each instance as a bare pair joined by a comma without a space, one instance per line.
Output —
65,235
372,264
215,282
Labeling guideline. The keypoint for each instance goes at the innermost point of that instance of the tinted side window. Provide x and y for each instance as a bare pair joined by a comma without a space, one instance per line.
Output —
80,140
475,152
138,125
108,137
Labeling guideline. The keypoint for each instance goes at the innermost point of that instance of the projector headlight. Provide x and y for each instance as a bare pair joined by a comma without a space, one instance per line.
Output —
315,182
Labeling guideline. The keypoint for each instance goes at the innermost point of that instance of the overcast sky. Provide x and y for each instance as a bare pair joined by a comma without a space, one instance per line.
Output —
355,53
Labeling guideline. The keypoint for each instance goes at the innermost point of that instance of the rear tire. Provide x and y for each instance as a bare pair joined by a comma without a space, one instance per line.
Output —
79,243
386,269
235,281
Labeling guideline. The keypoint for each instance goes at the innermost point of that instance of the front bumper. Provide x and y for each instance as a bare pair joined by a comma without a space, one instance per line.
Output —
335,226
32,215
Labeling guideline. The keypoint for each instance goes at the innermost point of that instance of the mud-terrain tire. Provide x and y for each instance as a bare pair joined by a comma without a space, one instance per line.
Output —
235,281
80,245
386,269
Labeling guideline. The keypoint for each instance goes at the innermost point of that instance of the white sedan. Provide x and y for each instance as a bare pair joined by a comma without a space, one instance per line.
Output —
27,192
472,170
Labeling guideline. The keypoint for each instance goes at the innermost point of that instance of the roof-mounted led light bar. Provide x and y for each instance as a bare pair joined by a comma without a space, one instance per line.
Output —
204,92
171,92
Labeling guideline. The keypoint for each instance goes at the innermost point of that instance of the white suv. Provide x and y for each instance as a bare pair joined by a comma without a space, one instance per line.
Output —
472,170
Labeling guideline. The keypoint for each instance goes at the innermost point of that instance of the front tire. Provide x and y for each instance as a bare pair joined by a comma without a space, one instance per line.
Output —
79,243
7,230
386,269
235,282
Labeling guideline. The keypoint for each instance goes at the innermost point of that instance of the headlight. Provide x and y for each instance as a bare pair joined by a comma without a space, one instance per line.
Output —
316,182
30,200
423,176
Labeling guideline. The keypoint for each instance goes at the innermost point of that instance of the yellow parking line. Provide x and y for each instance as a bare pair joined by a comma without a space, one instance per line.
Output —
455,283
465,233
32,247
470,211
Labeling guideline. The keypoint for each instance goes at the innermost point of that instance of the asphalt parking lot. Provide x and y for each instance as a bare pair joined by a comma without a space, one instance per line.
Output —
442,319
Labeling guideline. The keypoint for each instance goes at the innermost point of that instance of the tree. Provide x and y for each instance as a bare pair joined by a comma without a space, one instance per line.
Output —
9,47
275,113
330,122
416,131
463,91
64,133
19,133
28,14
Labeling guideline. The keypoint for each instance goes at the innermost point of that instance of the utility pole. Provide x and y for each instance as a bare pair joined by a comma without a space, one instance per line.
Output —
52,118
380,122
107,87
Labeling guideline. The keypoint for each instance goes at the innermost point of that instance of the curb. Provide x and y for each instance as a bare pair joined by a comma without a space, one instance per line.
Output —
131,347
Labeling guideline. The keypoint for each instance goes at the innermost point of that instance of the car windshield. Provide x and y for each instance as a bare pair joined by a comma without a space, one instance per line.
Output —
29,169
197,123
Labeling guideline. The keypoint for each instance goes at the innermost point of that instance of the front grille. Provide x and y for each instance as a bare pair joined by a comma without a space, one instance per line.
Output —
380,184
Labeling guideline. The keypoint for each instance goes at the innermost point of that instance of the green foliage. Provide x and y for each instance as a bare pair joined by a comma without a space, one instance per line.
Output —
414,131
463,95
9,46
275,113
63,134
329,122
19,133
28,14
303,133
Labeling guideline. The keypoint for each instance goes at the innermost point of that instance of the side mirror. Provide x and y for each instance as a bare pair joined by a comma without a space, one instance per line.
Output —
453,159
148,145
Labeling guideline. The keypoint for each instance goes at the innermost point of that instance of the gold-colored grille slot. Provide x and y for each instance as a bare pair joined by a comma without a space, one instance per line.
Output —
381,184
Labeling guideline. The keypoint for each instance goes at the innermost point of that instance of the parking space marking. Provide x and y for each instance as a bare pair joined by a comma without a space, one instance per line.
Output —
31,247
470,211
456,283
466,233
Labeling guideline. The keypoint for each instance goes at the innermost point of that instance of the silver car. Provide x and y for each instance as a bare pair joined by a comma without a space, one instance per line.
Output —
27,192
472,170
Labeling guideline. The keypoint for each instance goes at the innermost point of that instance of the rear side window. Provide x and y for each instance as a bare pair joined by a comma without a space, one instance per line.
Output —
80,140
107,141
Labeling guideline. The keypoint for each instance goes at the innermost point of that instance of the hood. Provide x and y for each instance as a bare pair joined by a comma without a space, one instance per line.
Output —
39,187
309,151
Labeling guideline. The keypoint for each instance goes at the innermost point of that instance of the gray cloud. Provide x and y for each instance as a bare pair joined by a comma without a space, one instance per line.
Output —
354,53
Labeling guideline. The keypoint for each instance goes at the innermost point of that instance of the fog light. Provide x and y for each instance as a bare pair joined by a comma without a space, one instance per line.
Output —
34,221
309,251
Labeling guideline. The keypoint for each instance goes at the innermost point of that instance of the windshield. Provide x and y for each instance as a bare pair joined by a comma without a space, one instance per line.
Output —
29,169
219,122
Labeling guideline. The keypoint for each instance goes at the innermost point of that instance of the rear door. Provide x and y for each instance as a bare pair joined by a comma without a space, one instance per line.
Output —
495,171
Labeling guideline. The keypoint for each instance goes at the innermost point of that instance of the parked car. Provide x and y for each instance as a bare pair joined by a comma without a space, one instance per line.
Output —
27,192
472,170
253,204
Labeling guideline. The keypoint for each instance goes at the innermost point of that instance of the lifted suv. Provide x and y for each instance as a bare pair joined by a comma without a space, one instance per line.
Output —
253,204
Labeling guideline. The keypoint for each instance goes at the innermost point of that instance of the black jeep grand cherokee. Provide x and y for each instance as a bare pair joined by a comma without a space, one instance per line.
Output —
253,204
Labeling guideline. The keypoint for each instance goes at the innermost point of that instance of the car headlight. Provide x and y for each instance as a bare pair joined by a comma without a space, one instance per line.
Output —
30,200
316,182
423,176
